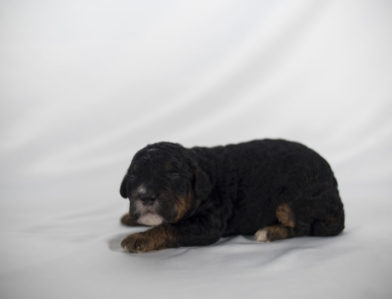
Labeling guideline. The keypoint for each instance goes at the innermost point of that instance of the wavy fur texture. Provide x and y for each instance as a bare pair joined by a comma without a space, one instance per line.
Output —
274,189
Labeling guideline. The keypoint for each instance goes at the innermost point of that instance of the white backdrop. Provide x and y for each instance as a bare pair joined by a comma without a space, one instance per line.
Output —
84,84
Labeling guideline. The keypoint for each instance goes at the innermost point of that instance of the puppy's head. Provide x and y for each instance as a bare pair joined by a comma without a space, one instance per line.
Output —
163,184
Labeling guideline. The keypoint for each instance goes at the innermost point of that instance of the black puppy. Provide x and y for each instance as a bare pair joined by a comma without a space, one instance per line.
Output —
274,189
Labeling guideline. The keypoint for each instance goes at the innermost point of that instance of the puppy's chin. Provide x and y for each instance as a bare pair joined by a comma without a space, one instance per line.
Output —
151,219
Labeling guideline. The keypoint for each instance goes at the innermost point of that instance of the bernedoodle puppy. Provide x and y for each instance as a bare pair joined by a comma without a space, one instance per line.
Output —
274,189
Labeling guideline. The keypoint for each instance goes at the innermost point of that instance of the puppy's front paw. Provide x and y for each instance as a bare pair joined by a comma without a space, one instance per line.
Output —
159,237
128,220
137,243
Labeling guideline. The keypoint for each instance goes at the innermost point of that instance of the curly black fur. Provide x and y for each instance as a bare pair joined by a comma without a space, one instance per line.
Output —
234,189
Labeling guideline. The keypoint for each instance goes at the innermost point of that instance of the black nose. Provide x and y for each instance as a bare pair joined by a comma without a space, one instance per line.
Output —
148,200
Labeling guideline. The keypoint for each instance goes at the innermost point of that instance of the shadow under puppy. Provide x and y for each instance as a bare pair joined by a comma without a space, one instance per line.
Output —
274,189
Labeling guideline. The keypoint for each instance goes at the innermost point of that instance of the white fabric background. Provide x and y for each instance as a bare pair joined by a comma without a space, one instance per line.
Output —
84,84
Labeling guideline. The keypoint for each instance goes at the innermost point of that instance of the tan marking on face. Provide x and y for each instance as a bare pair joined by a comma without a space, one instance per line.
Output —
182,205
285,215
159,237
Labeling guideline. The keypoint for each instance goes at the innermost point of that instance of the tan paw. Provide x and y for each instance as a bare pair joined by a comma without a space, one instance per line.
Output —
262,235
137,243
128,221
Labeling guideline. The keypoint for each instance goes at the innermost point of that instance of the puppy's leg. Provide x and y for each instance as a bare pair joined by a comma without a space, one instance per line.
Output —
129,221
195,231
273,233
159,237
284,230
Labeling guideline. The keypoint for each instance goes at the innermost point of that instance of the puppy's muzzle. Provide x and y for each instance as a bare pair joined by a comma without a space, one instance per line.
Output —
147,200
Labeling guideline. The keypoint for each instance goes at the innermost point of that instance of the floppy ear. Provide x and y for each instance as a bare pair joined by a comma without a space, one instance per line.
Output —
201,184
123,188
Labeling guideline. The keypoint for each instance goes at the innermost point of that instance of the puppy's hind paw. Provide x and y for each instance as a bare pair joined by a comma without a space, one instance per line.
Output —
262,235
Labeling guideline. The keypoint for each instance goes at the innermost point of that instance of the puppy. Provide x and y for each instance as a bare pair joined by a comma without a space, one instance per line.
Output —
273,189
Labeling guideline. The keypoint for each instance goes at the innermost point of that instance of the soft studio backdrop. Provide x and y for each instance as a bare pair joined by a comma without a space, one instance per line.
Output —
85,84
